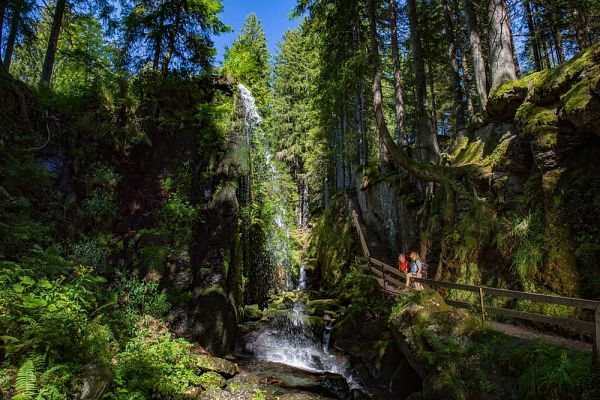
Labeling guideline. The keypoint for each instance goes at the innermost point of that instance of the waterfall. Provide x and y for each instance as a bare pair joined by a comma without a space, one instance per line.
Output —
267,177
302,278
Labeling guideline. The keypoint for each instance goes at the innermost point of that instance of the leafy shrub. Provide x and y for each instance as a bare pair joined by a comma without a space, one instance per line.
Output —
45,316
154,365
137,298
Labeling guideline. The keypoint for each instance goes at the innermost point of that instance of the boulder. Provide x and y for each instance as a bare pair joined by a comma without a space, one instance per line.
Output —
212,380
210,319
96,380
214,364
252,313
323,306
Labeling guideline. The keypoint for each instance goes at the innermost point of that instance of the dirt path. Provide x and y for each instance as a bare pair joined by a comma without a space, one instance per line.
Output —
532,334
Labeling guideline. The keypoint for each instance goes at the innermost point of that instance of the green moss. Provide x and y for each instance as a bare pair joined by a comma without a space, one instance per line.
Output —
470,152
550,83
581,106
512,88
212,380
534,120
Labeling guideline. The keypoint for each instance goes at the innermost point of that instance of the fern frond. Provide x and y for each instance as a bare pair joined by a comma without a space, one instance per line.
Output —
26,381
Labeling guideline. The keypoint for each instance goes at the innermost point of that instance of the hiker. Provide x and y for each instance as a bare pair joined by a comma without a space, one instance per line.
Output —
403,263
416,270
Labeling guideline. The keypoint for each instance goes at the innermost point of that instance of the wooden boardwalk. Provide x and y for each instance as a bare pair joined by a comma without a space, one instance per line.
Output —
380,265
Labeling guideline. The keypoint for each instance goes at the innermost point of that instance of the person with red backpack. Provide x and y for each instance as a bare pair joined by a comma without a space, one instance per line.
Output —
418,269
403,263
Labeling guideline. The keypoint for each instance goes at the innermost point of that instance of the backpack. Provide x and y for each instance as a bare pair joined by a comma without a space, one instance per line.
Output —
423,268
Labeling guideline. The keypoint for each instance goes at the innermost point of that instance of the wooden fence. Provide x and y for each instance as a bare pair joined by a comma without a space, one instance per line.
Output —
391,275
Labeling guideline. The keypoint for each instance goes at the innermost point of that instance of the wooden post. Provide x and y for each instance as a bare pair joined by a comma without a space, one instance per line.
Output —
596,355
481,303
384,281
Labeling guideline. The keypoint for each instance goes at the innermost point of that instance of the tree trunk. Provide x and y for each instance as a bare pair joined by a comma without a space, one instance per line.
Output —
468,87
424,172
171,43
398,94
580,25
11,39
533,34
502,62
459,112
426,135
479,73
2,12
560,52
48,67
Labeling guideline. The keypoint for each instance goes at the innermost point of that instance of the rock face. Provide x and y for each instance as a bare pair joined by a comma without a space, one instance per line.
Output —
209,319
97,380
389,205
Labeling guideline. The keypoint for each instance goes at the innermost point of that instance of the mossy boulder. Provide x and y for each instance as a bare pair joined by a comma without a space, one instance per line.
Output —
582,103
323,306
218,365
252,312
505,99
426,329
212,380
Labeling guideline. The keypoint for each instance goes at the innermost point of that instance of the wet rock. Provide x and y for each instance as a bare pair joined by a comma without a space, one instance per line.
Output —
439,387
210,319
323,306
97,380
212,380
252,313
219,365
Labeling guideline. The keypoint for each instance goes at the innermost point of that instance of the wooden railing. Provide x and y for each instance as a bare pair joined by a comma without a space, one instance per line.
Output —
391,275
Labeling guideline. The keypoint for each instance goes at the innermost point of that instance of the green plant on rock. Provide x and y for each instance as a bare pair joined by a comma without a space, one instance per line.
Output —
154,365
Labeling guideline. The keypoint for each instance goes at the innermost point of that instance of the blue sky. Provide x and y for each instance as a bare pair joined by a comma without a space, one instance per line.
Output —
274,15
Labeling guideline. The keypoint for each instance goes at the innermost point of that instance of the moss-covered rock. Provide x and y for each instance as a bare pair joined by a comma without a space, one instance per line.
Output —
212,380
218,365
425,328
252,312
323,306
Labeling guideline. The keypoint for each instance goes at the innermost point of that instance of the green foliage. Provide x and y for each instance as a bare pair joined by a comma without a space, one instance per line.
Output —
154,365
153,32
522,239
45,315
137,297
26,381
247,61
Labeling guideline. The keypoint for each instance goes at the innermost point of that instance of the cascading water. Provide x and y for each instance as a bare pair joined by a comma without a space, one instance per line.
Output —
302,278
268,175
288,339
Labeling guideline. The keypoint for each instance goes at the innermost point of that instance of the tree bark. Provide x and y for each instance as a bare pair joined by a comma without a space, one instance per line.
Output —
580,25
398,92
459,109
11,39
422,171
533,34
479,73
502,62
2,12
468,86
426,135
48,67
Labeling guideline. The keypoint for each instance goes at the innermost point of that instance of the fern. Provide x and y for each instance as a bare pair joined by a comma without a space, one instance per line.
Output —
26,381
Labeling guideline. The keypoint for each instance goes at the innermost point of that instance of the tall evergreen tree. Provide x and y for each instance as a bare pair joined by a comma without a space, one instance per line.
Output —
158,32
248,60
48,67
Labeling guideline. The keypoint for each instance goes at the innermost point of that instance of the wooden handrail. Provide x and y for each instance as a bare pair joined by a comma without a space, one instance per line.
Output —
389,274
